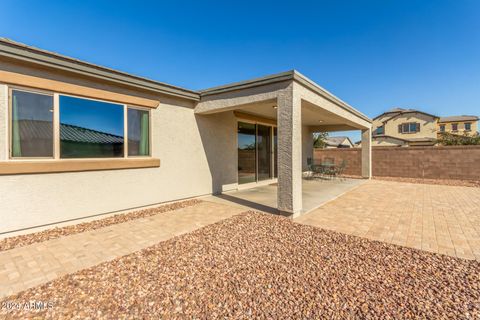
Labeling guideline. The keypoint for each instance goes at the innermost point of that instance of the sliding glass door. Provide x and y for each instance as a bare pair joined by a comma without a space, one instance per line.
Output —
255,152
264,143
246,153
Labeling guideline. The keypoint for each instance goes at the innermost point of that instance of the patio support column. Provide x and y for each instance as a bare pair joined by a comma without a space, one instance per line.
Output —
307,146
367,153
289,192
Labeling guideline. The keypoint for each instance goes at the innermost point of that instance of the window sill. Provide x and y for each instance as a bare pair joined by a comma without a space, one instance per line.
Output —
74,165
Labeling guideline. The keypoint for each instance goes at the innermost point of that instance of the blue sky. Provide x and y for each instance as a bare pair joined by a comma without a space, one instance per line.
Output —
373,54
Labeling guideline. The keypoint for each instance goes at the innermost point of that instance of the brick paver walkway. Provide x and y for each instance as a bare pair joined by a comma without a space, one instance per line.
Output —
436,218
35,264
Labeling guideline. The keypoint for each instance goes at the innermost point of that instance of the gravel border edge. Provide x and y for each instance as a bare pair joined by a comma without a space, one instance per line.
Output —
57,232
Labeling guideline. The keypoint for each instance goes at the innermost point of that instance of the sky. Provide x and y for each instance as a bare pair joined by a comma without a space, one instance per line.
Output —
374,55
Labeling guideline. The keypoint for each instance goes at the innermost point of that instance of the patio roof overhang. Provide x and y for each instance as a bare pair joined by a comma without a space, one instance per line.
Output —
321,110
299,107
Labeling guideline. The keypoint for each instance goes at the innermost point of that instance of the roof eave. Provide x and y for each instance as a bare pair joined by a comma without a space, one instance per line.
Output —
270,79
309,84
13,50
291,75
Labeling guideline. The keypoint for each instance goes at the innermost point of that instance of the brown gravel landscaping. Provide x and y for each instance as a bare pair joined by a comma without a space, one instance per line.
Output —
447,182
23,240
262,266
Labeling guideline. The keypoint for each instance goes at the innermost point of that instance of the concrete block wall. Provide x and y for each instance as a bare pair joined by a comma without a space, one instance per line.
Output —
452,162
353,156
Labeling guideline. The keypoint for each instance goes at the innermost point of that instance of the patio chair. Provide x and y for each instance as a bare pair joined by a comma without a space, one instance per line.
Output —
341,169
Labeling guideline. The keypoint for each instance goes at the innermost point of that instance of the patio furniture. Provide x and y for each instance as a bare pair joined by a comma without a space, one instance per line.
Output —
341,169
328,169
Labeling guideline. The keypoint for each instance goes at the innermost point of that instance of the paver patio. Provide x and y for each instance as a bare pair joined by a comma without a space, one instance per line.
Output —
436,218
442,219
35,264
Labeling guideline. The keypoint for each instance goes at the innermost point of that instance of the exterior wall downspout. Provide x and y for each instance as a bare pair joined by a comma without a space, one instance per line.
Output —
289,194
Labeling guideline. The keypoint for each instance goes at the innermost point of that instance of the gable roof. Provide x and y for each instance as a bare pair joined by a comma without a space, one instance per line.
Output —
458,118
337,141
395,112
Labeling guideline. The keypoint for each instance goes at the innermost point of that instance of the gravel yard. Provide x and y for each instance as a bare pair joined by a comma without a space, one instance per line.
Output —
264,266
26,239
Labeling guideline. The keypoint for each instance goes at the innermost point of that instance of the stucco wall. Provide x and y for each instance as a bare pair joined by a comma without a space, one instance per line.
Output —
452,162
461,127
428,127
182,141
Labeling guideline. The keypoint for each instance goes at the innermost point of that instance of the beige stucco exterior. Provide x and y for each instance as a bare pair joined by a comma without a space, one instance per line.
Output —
428,125
193,134
198,157
460,127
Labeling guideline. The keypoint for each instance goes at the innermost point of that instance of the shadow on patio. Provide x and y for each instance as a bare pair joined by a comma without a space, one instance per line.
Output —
264,198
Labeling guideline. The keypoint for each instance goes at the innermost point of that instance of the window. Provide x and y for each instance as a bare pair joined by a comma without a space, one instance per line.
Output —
90,129
380,130
31,125
468,126
454,126
442,128
410,127
138,132
47,125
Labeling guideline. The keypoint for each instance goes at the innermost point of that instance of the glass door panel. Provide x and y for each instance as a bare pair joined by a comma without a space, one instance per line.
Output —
246,153
264,142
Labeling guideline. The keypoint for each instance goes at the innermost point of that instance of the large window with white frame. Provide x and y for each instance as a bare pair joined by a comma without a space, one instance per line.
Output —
52,125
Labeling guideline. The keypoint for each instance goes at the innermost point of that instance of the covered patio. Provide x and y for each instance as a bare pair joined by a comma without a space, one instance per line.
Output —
315,193
287,108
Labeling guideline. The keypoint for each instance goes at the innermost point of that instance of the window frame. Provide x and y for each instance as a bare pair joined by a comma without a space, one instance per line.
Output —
456,127
272,149
380,130
442,128
149,130
10,90
469,125
56,127
408,125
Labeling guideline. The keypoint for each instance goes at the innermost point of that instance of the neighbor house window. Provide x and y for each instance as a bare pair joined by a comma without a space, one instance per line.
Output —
454,126
90,128
468,127
380,130
31,125
409,127
442,128
138,132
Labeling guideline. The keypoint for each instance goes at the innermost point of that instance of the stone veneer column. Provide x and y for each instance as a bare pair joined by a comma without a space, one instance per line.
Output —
367,153
289,192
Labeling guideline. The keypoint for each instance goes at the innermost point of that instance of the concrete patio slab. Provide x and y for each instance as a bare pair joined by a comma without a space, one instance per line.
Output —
315,192
435,218
25,267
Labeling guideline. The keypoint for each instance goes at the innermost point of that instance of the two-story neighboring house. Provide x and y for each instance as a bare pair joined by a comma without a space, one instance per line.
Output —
404,127
463,125
409,127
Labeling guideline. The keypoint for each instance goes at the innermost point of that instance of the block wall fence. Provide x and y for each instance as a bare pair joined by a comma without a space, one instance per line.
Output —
452,162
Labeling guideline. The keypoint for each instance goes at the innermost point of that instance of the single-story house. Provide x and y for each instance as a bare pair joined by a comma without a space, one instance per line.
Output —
80,140
338,142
